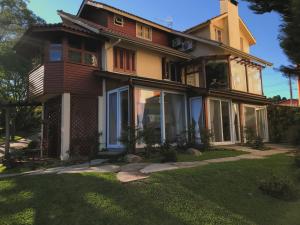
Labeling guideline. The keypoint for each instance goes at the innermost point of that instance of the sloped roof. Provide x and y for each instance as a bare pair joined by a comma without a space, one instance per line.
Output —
101,30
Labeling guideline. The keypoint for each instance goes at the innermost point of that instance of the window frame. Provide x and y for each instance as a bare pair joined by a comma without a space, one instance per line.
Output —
128,55
82,52
55,46
217,32
143,33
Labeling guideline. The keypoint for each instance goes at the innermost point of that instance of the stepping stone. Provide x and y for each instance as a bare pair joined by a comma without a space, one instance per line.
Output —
250,156
189,164
133,167
152,168
220,160
100,169
126,177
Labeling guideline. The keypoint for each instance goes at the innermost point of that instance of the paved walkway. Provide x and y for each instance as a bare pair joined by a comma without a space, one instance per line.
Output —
138,171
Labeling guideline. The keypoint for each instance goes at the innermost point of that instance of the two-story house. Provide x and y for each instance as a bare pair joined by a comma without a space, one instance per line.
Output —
104,69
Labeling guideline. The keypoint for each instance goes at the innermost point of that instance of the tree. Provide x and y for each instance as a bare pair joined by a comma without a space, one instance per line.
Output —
15,18
290,28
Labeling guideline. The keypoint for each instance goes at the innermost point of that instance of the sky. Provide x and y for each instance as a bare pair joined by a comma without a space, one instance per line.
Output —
187,13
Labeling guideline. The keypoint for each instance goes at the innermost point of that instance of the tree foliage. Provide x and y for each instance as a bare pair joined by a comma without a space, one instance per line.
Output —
289,11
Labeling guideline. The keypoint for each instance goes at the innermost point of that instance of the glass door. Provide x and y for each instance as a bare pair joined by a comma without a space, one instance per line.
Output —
118,116
220,120
196,123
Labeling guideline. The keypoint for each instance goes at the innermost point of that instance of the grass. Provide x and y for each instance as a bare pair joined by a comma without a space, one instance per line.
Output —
224,193
212,154
2,139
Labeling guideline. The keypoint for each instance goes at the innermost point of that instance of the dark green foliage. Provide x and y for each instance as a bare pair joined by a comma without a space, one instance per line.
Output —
284,124
206,138
150,139
278,186
33,145
297,160
129,137
290,14
168,152
253,140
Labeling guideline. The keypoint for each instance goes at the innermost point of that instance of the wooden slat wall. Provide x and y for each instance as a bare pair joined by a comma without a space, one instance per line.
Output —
54,81
80,80
36,82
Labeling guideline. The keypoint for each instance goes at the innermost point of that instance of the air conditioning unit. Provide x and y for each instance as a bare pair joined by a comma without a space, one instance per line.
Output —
187,45
176,43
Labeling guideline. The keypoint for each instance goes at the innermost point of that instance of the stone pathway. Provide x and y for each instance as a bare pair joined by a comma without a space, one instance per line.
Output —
138,171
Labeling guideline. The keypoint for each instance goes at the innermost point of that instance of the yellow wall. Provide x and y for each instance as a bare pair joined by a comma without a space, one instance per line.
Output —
148,63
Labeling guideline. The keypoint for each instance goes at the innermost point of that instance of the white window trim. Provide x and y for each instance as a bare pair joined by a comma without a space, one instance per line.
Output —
120,25
230,118
143,37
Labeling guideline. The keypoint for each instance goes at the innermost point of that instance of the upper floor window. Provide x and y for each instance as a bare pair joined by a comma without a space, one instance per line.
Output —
55,52
83,52
143,31
124,60
218,35
118,20
217,73
254,80
238,75
170,70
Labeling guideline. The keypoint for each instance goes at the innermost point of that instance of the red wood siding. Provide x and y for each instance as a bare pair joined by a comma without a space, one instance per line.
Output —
54,72
129,28
80,80
36,82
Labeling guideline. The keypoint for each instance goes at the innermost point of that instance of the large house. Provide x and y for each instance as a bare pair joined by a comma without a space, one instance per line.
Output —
104,69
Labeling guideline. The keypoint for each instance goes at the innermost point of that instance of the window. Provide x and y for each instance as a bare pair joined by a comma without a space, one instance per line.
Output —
170,70
197,118
217,73
218,35
192,73
242,44
220,121
55,52
254,80
238,76
143,31
82,51
124,60
118,20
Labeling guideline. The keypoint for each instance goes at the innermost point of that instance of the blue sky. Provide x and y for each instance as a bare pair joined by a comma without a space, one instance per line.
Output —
187,13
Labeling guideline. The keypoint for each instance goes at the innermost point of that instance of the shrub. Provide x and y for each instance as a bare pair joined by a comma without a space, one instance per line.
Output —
253,140
33,145
169,154
150,138
206,138
129,138
278,187
293,134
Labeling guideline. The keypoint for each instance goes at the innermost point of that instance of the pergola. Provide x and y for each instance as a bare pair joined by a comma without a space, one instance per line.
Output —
7,106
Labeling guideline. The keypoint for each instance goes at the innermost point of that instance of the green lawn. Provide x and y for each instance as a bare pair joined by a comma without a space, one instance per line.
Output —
212,154
223,193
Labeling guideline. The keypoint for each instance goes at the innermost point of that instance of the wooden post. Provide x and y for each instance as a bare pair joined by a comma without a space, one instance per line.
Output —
7,133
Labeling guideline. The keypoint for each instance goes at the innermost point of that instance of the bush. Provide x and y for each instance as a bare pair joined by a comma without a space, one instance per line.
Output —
254,141
33,145
129,138
293,135
206,138
278,187
150,138
169,154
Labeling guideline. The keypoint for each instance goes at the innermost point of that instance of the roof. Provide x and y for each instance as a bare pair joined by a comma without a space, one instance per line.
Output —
203,24
112,9
104,31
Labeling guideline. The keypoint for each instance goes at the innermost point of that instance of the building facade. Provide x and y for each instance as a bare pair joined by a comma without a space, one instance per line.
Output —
104,69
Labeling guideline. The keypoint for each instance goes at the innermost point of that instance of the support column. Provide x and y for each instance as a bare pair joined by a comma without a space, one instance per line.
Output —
102,116
42,131
65,126
7,133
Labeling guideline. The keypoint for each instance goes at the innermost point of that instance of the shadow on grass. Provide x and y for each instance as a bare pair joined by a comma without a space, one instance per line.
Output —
216,194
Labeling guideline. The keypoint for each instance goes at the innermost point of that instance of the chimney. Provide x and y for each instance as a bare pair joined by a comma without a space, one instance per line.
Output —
232,9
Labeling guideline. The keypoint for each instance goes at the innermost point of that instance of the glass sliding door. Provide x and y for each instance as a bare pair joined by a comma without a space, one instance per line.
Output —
174,116
220,120
197,118
256,119
148,111
164,113
118,116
